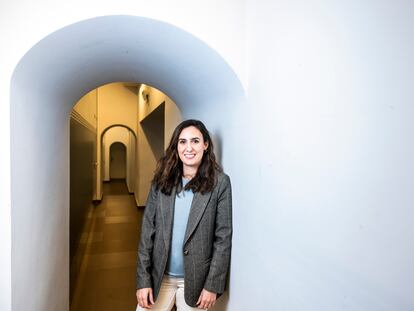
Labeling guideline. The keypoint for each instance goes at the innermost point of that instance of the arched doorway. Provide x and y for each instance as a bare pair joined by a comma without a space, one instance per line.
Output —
118,159
47,82
125,135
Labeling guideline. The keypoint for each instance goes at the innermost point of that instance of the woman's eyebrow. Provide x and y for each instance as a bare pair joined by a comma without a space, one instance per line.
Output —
192,138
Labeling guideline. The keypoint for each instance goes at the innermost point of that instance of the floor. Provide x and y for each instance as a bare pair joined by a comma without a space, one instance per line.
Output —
107,277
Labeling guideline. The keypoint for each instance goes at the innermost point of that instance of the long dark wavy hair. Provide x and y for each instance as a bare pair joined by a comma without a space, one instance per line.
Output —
169,171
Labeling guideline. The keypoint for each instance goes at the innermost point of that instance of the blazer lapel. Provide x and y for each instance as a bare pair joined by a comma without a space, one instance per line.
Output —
167,211
197,209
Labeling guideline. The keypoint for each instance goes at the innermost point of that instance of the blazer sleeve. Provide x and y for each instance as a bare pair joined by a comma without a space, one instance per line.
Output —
144,264
220,262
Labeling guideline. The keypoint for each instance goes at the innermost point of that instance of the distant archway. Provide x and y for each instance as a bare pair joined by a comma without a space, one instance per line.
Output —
124,135
117,124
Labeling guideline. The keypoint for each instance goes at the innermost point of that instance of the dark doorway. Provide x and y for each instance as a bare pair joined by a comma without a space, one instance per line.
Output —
117,163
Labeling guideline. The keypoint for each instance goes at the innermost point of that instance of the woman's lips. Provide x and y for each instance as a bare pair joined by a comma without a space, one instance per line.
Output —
189,156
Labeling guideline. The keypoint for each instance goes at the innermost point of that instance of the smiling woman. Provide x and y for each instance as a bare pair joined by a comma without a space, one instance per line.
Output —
184,253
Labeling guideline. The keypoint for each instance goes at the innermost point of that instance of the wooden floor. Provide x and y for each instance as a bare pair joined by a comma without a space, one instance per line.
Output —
107,278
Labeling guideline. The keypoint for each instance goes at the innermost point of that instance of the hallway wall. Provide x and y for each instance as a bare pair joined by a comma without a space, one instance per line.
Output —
117,104
151,149
132,160
87,108
158,117
82,180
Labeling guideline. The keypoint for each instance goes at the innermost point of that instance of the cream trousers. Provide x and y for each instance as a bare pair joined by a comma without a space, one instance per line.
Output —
171,291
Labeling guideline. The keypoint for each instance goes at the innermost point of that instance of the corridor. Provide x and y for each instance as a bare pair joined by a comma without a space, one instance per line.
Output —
107,277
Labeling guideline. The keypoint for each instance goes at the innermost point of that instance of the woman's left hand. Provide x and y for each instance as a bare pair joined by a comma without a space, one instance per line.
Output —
206,300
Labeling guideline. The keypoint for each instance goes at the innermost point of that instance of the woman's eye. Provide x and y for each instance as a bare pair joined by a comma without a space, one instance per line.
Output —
182,142
196,141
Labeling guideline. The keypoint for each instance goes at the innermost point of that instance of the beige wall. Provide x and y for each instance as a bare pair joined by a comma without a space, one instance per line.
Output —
172,118
86,107
172,113
156,124
132,160
114,103
117,104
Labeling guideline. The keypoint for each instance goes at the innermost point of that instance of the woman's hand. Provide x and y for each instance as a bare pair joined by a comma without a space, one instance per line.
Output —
206,300
145,298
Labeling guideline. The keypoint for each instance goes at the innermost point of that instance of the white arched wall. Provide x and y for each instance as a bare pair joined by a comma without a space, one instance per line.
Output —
44,88
125,136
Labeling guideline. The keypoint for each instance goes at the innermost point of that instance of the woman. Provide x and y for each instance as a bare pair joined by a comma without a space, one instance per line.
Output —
184,252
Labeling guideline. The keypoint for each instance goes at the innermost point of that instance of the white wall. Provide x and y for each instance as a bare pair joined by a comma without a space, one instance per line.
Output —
328,223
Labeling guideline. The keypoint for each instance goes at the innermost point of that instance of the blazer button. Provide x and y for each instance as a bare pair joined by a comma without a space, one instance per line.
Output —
186,252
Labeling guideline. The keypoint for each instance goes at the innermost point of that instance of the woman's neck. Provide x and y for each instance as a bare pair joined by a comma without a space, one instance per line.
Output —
189,172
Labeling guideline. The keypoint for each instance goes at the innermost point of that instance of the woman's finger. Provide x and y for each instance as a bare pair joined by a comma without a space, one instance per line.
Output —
199,300
151,297
144,301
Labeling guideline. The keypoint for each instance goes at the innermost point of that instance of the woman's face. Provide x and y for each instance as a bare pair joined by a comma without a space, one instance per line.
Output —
191,147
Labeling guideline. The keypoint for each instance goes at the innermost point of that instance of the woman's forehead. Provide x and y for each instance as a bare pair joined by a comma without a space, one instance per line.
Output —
190,132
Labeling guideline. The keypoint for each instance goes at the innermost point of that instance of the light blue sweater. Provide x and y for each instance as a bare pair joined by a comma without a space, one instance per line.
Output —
183,200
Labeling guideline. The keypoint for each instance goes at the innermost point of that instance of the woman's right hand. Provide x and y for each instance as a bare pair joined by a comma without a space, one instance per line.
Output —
145,298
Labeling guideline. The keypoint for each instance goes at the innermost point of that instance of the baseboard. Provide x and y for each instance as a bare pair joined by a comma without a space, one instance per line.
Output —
98,200
137,203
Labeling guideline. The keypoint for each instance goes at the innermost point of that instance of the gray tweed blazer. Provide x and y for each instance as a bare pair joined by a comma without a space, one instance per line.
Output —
207,241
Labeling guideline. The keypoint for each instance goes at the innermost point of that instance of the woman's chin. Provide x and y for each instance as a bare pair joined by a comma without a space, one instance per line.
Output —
191,164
